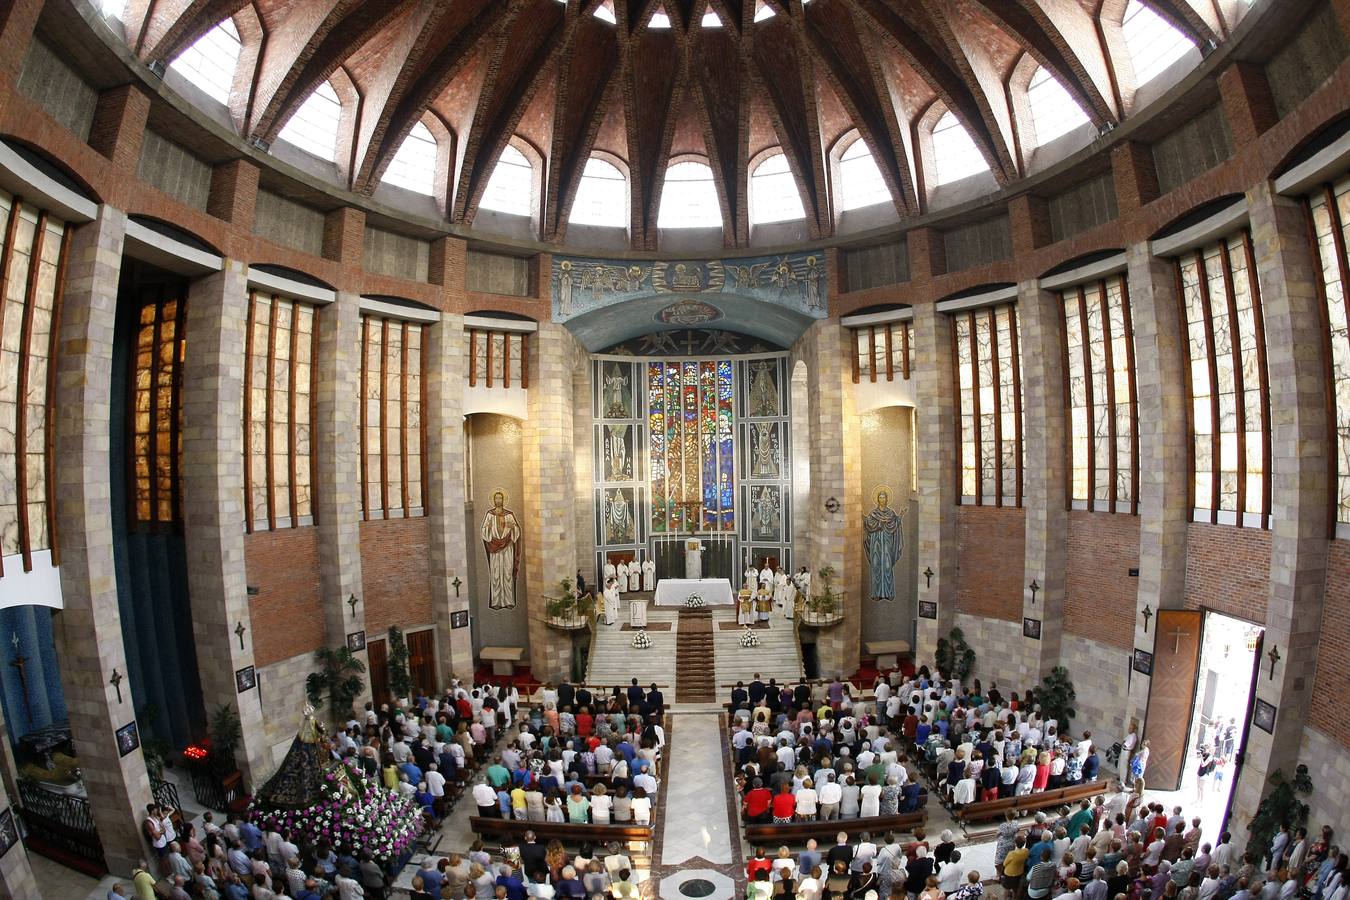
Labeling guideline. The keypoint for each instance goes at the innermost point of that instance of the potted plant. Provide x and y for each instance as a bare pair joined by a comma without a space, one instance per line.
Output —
1056,696
954,656
400,679
225,736
825,606
1280,807
339,679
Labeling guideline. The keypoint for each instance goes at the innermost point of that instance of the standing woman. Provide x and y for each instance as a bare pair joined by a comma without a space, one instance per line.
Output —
1138,765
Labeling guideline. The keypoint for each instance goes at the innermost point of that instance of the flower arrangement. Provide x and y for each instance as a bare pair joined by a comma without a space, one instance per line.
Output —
641,641
749,638
352,813
695,601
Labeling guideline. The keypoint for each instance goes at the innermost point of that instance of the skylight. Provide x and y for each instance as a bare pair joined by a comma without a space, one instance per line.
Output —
210,63
604,13
954,152
509,188
1153,43
773,192
689,198
860,182
112,7
414,165
659,20
765,11
602,196
1053,111
314,127
711,19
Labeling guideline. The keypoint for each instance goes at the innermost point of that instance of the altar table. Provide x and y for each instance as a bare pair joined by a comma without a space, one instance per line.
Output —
673,591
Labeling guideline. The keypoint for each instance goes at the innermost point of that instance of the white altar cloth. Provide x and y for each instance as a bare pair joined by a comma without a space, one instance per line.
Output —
673,591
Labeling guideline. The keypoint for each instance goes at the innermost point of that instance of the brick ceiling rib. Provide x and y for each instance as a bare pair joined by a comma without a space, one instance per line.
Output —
721,99
654,84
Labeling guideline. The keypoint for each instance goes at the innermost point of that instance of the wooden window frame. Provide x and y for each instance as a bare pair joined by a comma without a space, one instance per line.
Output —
398,420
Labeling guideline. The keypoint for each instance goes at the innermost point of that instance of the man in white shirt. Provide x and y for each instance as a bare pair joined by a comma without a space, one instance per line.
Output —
1223,854
435,781
787,757
951,874
485,798
829,793
865,852
645,781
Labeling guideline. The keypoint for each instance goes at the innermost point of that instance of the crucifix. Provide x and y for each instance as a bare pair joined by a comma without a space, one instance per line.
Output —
1176,639
928,574
352,601
19,662
1147,614
1034,588
1274,656
116,682
239,630
455,584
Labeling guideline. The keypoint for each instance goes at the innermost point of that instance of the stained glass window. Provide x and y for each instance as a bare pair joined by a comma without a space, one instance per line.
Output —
157,411
278,412
691,446
1103,411
392,434
32,245
1330,212
1230,404
989,384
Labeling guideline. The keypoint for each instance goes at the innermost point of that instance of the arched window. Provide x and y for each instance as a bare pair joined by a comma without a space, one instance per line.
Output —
954,153
773,192
765,11
860,181
314,127
509,188
689,198
1153,43
604,13
602,196
414,165
1053,111
711,19
659,20
210,63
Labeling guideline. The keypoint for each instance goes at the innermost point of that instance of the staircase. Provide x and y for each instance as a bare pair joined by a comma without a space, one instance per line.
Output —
694,663
778,655
613,660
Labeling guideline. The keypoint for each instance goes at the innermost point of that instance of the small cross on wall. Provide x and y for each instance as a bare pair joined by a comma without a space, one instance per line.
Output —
1274,657
1035,586
116,682
239,630
352,601
1147,614
455,584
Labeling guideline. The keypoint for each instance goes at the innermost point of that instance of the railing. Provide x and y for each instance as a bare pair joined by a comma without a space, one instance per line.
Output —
569,621
60,826
215,791
815,618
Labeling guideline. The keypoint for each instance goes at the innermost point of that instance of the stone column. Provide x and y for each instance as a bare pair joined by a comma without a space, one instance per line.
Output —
17,881
213,511
938,460
89,629
549,479
337,482
1041,319
1288,271
445,362
1164,475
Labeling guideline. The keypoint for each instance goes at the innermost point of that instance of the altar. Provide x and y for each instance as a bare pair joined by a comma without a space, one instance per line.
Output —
674,591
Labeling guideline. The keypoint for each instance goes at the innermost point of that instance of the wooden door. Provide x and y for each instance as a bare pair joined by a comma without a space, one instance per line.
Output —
377,652
1171,698
422,661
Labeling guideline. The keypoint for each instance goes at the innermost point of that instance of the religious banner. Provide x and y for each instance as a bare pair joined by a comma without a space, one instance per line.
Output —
794,280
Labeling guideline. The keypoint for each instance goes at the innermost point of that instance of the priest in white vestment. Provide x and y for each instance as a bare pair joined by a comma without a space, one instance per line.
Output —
611,601
766,577
634,576
609,572
649,575
621,575
780,587
751,578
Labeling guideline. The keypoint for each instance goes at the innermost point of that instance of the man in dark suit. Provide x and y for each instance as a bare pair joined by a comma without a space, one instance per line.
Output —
566,695
757,691
656,701
739,698
801,693
585,698
635,695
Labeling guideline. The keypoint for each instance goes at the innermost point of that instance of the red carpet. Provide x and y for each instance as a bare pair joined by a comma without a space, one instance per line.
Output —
523,679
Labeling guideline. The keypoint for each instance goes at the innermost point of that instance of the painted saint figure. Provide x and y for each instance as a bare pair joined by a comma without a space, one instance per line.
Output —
616,393
501,539
619,520
882,544
763,390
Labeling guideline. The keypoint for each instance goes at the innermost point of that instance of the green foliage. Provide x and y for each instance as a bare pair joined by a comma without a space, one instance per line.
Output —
1056,696
225,735
565,605
400,681
826,602
955,658
339,680
1281,806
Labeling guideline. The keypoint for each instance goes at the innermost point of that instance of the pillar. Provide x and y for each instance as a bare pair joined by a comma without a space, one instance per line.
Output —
17,881
1164,474
89,629
1288,272
938,460
1044,434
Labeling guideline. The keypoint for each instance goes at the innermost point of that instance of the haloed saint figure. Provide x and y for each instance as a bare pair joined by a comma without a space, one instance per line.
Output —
882,544
501,540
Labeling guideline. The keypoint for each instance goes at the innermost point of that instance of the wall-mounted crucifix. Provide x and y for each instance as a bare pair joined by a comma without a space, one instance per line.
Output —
239,630
1147,614
1274,656
116,682
455,584
928,574
20,662
1035,586
352,601
1176,636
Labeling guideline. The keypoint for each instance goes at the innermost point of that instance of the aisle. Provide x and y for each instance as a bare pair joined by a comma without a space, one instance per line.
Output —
695,816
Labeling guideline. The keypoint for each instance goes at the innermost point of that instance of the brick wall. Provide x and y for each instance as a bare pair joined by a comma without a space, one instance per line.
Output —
990,545
1331,684
286,613
1099,594
1228,570
394,554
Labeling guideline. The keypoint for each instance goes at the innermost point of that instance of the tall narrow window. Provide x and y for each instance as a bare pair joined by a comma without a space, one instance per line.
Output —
211,61
1228,385
954,152
499,359
1103,410
278,413
157,408
989,382
32,261
1153,44
414,165
511,184
773,192
314,127
393,435
860,181
689,198
1330,212
602,196
881,352
1053,111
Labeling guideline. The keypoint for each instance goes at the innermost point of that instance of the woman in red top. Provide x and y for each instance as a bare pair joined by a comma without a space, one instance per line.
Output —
1042,772
585,722
784,806
757,863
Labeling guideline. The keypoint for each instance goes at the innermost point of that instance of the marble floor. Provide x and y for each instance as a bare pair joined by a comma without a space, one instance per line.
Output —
696,824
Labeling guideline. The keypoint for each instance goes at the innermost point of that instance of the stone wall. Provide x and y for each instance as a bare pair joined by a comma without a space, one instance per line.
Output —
281,687
291,224
977,244
396,254
1099,672
174,170
1329,768
999,657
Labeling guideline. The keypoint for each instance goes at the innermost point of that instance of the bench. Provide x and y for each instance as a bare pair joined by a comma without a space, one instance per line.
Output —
886,652
503,659
592,834
799,832
1028,803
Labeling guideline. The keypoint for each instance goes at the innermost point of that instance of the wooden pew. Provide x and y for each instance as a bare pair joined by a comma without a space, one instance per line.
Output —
566,832
796,833
1029,803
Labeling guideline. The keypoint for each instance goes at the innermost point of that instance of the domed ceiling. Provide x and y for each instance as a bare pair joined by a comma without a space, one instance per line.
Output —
726,81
